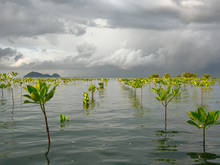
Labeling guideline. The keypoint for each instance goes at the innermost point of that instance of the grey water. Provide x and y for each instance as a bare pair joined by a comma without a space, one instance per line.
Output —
116,129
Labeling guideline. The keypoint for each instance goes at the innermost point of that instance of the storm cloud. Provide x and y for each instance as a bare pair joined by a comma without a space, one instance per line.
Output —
110,38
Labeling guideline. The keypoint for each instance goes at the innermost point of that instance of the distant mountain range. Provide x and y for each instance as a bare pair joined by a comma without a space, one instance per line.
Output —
40,75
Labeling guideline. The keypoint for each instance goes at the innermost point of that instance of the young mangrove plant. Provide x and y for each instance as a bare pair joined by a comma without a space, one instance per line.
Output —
203,120
8,78
63,119
165,96
40,94
92,89
2,86
138,83
11,77
203,84
85,100
101,85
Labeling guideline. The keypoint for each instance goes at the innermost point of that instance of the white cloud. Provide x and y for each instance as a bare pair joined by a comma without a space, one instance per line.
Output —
99,22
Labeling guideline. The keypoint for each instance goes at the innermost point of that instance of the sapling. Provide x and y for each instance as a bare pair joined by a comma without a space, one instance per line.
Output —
11,77
92,89
137,84
40,94
63,119
2,86
85,100
202,84
165,96
203,120
101,85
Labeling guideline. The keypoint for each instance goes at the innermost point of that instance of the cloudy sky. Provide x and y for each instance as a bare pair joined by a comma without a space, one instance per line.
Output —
110,37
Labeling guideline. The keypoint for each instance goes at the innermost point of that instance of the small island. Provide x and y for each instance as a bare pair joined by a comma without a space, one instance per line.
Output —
40,75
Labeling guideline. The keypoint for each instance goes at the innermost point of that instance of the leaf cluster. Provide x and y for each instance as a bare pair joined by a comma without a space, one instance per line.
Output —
92,88
165,95
64,118
202,119
39,93
85,98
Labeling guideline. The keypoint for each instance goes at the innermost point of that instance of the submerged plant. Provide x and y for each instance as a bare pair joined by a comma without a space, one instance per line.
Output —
85,100
202,120
165,96
63,118
40,94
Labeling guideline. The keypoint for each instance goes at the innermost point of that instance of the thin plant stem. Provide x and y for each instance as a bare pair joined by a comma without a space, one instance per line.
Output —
165,116
46,122
204,139
141,95
12,95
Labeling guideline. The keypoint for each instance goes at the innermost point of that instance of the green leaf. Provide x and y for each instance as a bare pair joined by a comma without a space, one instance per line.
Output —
193,123
27,101
50,94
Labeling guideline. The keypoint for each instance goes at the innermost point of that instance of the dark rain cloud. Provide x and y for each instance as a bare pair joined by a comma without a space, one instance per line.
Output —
186,34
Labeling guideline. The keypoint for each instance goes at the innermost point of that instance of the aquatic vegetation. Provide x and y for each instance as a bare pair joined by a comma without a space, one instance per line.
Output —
3,86
63,118
202,84
206,76
8,78
40,94
85,100
92,89
122,100
153,76
203,120
166,75
101,85
189,75
165,96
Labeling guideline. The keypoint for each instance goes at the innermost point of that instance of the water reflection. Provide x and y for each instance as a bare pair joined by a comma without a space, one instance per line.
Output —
204,158
3,102
87,109
166,144
46,154
101,93
136,102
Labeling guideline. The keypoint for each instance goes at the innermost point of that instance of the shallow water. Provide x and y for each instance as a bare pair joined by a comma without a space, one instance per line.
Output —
116,130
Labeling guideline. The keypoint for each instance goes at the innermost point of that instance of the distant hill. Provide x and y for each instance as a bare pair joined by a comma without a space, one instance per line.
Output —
40,75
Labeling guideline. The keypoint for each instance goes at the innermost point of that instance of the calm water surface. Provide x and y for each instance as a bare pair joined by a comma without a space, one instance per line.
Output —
115,130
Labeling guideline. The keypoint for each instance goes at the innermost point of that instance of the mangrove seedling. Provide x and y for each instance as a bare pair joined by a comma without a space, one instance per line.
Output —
101,85
85,100
202,84
40,94
2,86
165,96
202,120
92,89
63,119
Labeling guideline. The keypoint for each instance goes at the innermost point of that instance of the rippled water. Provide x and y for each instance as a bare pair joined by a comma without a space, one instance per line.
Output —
116,130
